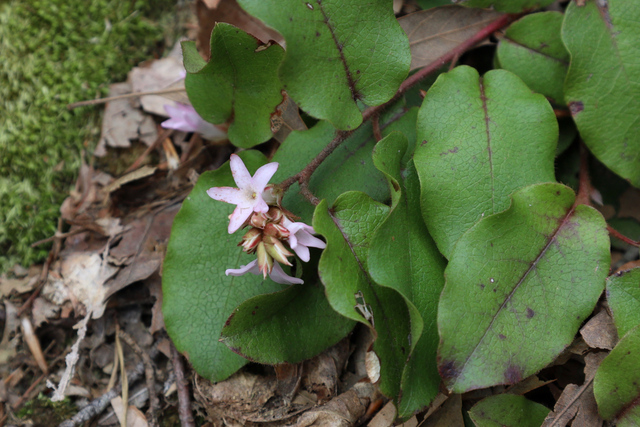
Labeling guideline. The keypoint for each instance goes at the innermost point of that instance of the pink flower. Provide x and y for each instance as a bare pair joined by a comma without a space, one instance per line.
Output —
301,239
277,273
185,118
250,194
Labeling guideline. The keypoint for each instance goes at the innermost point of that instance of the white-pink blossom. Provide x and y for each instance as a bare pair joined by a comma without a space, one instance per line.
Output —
249,196
277,274
185,118
301,239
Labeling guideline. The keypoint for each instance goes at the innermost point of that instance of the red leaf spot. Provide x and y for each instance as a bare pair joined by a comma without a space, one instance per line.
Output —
448,370
530,313
575,107
513,375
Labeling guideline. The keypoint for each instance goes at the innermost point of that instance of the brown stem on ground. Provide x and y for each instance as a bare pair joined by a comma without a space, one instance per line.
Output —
184,400
304,175
149,373
377,133
584,187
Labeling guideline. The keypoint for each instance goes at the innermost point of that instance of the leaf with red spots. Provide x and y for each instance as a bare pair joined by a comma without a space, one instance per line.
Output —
510,6
602,87
285,327
338,54
617,382
479,140
239,84
518,286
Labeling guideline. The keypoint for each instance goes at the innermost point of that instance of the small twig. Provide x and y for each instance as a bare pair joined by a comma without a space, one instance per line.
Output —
304,175
615,233
125,96
149,373
166,133
584,187
377,133
96,406
184,400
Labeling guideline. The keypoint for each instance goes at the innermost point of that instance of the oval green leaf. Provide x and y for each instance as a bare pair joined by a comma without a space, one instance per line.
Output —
197,296
615,385
518,286
338,53
603,83
285,327
348,228
508,410
623,296
240,83
532,49
479,139
404,257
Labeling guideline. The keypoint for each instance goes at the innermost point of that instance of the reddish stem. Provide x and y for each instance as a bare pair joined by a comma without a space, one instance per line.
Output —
615,233
303,176
584,187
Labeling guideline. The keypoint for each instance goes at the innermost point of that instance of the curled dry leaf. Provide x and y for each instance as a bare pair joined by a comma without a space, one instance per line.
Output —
435,32
600,331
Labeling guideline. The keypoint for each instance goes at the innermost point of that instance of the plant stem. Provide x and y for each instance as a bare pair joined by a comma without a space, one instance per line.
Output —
304,175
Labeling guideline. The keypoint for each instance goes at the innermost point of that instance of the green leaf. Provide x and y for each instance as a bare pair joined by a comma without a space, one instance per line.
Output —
615,385
623,296
338,53
403,257
603,83
349,167
481,139
518,286
285,327
509,6
197,296
508,410
240,83
532,49
348,228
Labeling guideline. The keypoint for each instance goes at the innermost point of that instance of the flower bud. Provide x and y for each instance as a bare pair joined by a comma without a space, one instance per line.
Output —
250,240
259,220
265,262
276,230
276,249
275,215
272,194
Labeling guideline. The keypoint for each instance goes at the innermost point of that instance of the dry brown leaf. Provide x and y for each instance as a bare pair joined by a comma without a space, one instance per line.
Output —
135,418
286,119
154,284
528,384
322,373
122,123
449,415
29,336
385,417
435,32
567,398
19,286
11,325
600,331
135,175
230,12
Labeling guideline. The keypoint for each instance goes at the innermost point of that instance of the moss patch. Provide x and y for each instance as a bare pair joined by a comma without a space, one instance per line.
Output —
56,52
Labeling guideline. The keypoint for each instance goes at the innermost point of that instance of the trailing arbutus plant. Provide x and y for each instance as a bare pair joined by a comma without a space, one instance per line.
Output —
461,220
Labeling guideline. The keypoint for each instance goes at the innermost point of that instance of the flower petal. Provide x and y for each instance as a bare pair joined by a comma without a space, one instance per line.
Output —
241,175
252,267
226,194
302,252
306,239
260,205
238,217
279,276
263,175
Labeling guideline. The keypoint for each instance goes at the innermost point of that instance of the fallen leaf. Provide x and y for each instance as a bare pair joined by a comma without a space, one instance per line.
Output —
19,286
135,418
123,123
600,331
385,416
11,324
449,415
435,32
135,175
527,385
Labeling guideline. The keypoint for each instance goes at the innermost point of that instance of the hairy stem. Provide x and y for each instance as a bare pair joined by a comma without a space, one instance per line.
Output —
304,175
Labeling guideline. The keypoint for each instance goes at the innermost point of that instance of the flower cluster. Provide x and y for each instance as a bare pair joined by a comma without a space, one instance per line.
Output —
271,226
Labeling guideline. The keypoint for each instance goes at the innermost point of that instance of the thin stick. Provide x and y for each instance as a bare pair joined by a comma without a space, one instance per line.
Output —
154,402
184,401
369,113
125,96
166,133
572,401
584,187
375,122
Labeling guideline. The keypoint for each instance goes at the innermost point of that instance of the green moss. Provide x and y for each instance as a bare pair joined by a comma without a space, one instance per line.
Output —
55,52
41,411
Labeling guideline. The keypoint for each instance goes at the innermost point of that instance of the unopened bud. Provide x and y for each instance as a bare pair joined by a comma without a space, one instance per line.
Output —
272,195
265,262
276,230
275,215
259,220
250,240
276,249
